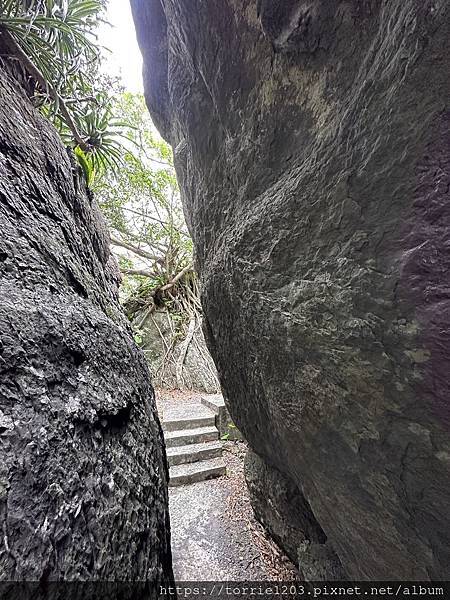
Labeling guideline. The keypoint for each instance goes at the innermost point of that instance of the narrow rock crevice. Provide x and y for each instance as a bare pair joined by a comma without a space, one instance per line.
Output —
311,150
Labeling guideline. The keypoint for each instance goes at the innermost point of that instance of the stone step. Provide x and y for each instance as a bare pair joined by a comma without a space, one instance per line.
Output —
190,436
214,402
195,472
188,416
179,455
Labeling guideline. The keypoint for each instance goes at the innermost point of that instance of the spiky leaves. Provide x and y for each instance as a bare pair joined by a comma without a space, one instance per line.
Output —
54,41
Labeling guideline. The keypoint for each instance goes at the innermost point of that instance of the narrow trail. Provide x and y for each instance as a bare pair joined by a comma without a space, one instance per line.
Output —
214,533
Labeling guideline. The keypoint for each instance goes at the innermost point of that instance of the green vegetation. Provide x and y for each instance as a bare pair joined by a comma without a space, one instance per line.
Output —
142,206
53,43
53,48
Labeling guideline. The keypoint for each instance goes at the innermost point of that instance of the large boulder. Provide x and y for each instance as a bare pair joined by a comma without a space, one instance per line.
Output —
312,147
83,474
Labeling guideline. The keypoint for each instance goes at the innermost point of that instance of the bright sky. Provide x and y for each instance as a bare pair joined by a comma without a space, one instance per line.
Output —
125,58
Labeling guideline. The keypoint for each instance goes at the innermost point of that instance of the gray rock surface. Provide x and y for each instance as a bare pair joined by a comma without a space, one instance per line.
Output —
184,362
83,474
280,507
318,562
312,147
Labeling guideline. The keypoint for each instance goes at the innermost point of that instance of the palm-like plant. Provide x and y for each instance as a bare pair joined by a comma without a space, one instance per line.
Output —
54,41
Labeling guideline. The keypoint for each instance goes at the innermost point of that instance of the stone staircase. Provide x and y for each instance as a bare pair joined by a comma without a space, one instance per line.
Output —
194,450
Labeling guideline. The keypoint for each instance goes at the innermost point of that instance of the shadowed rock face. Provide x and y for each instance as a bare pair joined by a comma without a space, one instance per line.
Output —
312,147
83,477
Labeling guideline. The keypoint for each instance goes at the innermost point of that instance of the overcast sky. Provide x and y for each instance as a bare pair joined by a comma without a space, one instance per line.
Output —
125,58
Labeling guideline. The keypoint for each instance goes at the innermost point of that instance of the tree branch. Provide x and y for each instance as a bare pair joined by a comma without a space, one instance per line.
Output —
136,250
177,277
141,272
145,216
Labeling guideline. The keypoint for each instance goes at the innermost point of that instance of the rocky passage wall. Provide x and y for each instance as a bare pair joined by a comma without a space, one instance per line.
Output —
83,476
312,147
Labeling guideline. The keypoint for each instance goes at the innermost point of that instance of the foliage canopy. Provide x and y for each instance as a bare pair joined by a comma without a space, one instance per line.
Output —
142,206
124,161
54,43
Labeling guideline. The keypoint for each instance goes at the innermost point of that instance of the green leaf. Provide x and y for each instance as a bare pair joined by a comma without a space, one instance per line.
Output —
86,165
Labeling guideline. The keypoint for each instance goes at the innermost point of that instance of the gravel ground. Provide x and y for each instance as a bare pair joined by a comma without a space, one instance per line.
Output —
265,553
214,533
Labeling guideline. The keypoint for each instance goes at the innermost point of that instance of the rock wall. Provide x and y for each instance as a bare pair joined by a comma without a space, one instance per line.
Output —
284,512
312,146
83,474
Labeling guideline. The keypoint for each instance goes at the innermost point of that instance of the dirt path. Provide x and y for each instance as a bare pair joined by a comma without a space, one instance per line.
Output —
214,533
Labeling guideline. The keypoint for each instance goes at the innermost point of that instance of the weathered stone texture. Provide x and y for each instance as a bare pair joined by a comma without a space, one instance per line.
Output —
83,476
280,507
187,364
313,151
